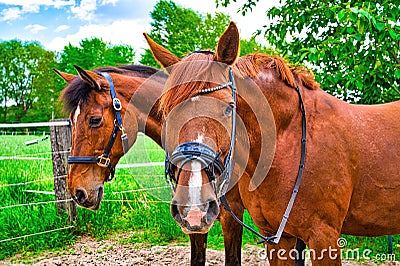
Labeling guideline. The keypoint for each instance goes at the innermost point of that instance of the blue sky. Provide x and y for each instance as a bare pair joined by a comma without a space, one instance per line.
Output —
55,23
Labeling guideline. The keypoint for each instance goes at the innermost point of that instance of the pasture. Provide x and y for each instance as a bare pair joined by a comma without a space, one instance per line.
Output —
136,201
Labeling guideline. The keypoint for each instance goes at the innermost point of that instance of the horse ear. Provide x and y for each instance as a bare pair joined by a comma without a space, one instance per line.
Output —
90,77
228,45
67,77
164,57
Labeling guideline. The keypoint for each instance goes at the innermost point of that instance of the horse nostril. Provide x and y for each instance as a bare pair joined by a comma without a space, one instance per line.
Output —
100,193
212,211
80,196
175,212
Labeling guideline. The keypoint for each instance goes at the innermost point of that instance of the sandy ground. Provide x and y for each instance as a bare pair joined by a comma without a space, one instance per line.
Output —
87,251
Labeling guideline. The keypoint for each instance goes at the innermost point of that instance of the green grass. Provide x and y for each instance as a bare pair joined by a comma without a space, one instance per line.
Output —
123,210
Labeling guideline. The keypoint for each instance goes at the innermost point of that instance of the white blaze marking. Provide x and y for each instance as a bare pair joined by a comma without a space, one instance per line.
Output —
76,114
200,138
195,180
195,183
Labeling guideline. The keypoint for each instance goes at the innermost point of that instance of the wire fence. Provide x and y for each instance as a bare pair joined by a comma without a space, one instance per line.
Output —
45,156
120,201
23,133
48,178
35,234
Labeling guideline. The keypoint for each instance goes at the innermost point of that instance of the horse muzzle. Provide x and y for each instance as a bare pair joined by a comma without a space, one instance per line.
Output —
195,219
88,200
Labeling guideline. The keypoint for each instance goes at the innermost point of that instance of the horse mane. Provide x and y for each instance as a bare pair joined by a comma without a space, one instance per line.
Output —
78,90
190,75
251,65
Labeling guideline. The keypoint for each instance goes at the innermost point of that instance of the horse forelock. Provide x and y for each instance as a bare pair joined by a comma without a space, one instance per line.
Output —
75,92
187,79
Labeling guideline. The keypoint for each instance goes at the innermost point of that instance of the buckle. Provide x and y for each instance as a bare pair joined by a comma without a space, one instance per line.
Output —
117,104
103,161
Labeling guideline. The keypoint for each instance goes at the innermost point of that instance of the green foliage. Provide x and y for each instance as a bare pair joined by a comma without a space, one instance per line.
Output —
29,89
182,30
25,80
92,53
251,46
31,219
247,5
352,46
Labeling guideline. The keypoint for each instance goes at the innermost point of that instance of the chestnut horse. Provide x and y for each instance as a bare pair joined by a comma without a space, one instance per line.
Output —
351,177
87,99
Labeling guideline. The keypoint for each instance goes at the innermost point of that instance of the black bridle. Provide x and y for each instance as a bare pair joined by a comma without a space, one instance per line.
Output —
104,159
210,159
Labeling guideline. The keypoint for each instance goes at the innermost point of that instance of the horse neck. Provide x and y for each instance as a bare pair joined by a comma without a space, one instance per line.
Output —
284,104
143,94
283,100
151,124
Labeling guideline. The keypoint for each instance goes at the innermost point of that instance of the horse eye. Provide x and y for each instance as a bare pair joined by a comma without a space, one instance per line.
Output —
228,110
95,121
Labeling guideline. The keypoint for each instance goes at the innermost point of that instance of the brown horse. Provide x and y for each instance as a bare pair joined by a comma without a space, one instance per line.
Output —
87,99
351,178
92,114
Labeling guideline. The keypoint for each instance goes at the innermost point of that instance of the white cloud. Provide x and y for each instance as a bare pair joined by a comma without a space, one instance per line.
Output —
61,28
20,7
106,2
85,10
119,32
247,24
35,28
27,4
130,31
10,13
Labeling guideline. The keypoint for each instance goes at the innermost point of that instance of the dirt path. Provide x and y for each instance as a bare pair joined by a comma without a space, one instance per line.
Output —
87,251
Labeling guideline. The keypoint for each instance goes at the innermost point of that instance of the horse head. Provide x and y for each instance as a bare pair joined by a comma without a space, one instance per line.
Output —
199,106
98,103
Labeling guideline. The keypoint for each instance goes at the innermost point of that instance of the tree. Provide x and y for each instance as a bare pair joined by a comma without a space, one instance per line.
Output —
20,69
92,53
46,105
251,46
353,46
182,30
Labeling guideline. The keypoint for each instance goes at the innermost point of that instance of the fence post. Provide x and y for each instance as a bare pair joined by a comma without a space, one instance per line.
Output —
60,143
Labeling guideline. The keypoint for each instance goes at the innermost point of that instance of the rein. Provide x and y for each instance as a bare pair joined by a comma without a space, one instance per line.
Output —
104,159
275,238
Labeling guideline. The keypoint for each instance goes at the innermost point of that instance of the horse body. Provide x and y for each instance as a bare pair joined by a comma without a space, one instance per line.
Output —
351,175
374,206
